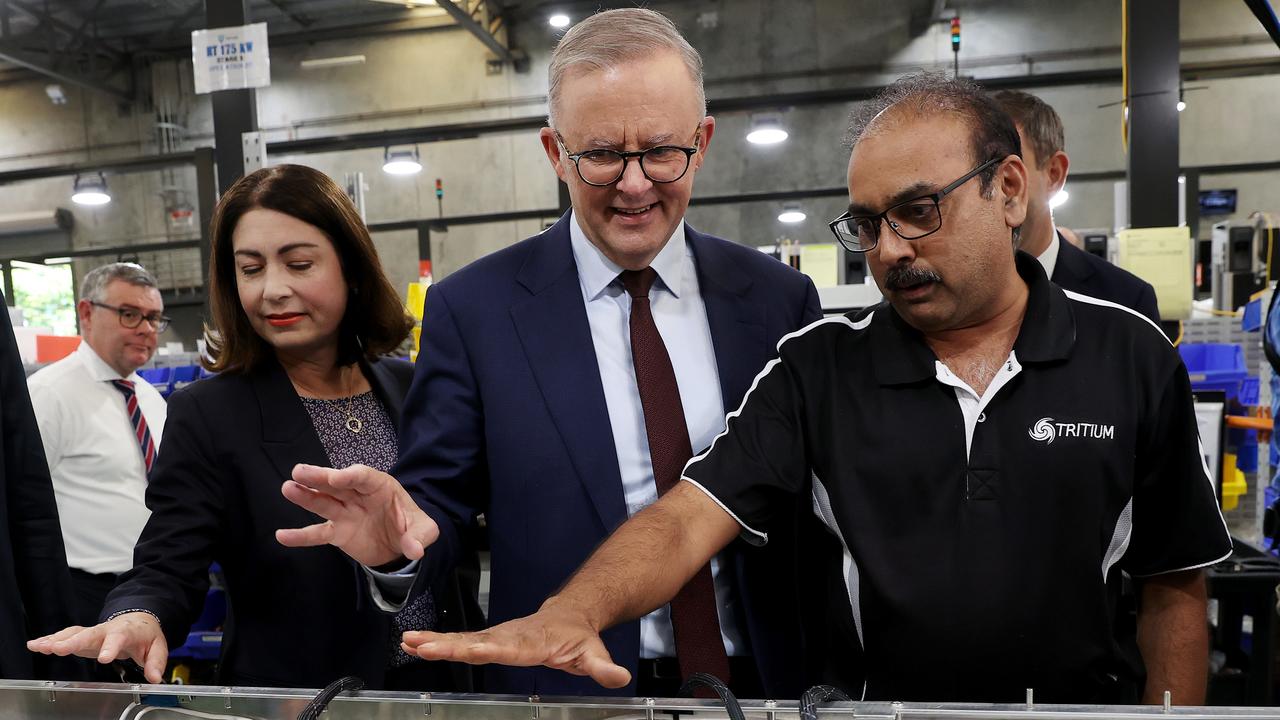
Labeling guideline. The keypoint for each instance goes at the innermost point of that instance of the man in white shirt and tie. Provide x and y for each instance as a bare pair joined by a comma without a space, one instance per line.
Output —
101,425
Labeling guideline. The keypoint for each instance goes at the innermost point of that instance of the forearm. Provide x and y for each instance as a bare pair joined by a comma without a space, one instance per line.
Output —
647,560
1173,637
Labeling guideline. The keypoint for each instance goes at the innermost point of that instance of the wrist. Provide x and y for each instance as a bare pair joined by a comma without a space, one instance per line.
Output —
143,614
572,611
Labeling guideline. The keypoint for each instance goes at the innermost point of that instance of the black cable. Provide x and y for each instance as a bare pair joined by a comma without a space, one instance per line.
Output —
817,695
707,680
324,697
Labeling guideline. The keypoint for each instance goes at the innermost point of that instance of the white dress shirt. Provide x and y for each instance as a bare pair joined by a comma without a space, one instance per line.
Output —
1049,258
99,478
681,317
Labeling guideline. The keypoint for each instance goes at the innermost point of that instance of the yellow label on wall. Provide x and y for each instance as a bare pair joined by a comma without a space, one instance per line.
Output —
821,264
1164,258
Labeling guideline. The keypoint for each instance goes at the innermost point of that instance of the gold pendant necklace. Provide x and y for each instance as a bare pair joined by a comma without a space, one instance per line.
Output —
354,424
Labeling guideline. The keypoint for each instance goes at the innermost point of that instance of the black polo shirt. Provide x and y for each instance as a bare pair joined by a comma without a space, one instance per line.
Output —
977,542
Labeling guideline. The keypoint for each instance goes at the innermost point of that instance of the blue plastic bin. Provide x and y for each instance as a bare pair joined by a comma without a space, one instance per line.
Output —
1216,366
1249,390
1251,318
158,377
1247,452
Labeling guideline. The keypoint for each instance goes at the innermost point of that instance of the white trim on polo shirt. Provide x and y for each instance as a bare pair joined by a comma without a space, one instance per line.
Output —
840,319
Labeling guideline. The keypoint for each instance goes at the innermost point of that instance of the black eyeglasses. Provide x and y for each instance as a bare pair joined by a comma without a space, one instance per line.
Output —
910,219
133,317
661,164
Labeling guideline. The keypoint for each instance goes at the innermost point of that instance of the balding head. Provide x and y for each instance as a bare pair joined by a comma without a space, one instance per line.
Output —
992,133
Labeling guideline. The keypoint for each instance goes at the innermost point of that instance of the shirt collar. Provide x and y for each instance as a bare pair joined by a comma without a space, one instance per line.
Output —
1049,258
596,271
1048,332
98,368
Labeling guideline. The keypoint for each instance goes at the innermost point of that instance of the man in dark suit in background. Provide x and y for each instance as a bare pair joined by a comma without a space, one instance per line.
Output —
564,382
1066,265
35,585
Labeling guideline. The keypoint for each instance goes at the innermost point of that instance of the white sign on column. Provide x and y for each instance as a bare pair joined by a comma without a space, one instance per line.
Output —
230,58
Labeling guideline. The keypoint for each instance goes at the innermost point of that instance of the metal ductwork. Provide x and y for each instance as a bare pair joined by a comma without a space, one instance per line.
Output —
35,222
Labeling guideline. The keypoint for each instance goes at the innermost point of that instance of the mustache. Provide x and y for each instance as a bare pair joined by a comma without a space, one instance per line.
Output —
904,276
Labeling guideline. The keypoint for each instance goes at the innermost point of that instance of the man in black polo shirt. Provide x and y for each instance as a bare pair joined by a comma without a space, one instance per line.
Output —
987,451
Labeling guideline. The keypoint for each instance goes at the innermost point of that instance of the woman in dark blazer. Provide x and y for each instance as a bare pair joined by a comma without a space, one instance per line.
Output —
302,312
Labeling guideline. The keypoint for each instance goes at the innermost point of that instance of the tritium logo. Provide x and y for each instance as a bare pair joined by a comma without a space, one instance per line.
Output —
1046,430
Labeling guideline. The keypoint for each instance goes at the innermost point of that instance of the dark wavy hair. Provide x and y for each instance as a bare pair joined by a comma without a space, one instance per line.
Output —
374,325
992,133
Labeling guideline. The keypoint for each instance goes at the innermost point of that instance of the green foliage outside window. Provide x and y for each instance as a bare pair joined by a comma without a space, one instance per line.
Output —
45,294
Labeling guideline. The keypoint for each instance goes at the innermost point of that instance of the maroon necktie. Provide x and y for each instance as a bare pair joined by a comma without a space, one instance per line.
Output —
699,647
140,429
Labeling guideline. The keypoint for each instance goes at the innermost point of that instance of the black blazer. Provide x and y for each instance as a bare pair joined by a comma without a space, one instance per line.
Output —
296,617
35,586
1081,272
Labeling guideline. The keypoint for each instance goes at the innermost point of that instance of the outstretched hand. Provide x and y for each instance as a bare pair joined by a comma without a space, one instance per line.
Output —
368,514
135,635
556,637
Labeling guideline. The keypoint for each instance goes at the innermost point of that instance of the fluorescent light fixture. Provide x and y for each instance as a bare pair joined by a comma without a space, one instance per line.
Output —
791,214
1059,200
91,190
57,261
332,62
401,162
766,130
559,20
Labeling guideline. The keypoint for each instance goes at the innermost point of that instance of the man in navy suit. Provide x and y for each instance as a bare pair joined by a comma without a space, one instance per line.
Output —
563,383
1067,266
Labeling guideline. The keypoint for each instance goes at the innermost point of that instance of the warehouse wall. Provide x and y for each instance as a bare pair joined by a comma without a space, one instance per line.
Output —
751,47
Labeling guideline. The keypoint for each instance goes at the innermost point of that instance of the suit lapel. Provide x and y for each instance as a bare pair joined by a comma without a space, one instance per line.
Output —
556,337
385,386
735,318
288,437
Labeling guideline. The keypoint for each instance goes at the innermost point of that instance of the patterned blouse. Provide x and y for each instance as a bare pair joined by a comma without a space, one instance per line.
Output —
374,445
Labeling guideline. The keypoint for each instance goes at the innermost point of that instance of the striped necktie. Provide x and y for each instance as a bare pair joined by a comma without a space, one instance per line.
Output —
140,429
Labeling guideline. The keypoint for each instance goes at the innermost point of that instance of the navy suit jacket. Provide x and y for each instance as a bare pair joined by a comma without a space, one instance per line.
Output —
507,417
1087,274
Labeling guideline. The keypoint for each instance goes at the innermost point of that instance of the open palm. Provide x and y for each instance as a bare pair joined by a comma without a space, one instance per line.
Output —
368,515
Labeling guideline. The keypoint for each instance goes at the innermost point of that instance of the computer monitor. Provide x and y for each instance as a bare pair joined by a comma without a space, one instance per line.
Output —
1217,202
1211,410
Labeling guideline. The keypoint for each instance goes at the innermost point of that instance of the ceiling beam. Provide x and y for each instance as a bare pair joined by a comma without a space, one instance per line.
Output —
169,44
1267,16
194,9
467,21
300,19
78,37
13,54
39,13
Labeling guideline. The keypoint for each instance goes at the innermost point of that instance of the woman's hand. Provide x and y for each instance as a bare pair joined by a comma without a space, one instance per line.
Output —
135,635
368,514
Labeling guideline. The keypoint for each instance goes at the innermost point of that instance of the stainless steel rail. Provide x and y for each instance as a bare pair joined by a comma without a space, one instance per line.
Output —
34,700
